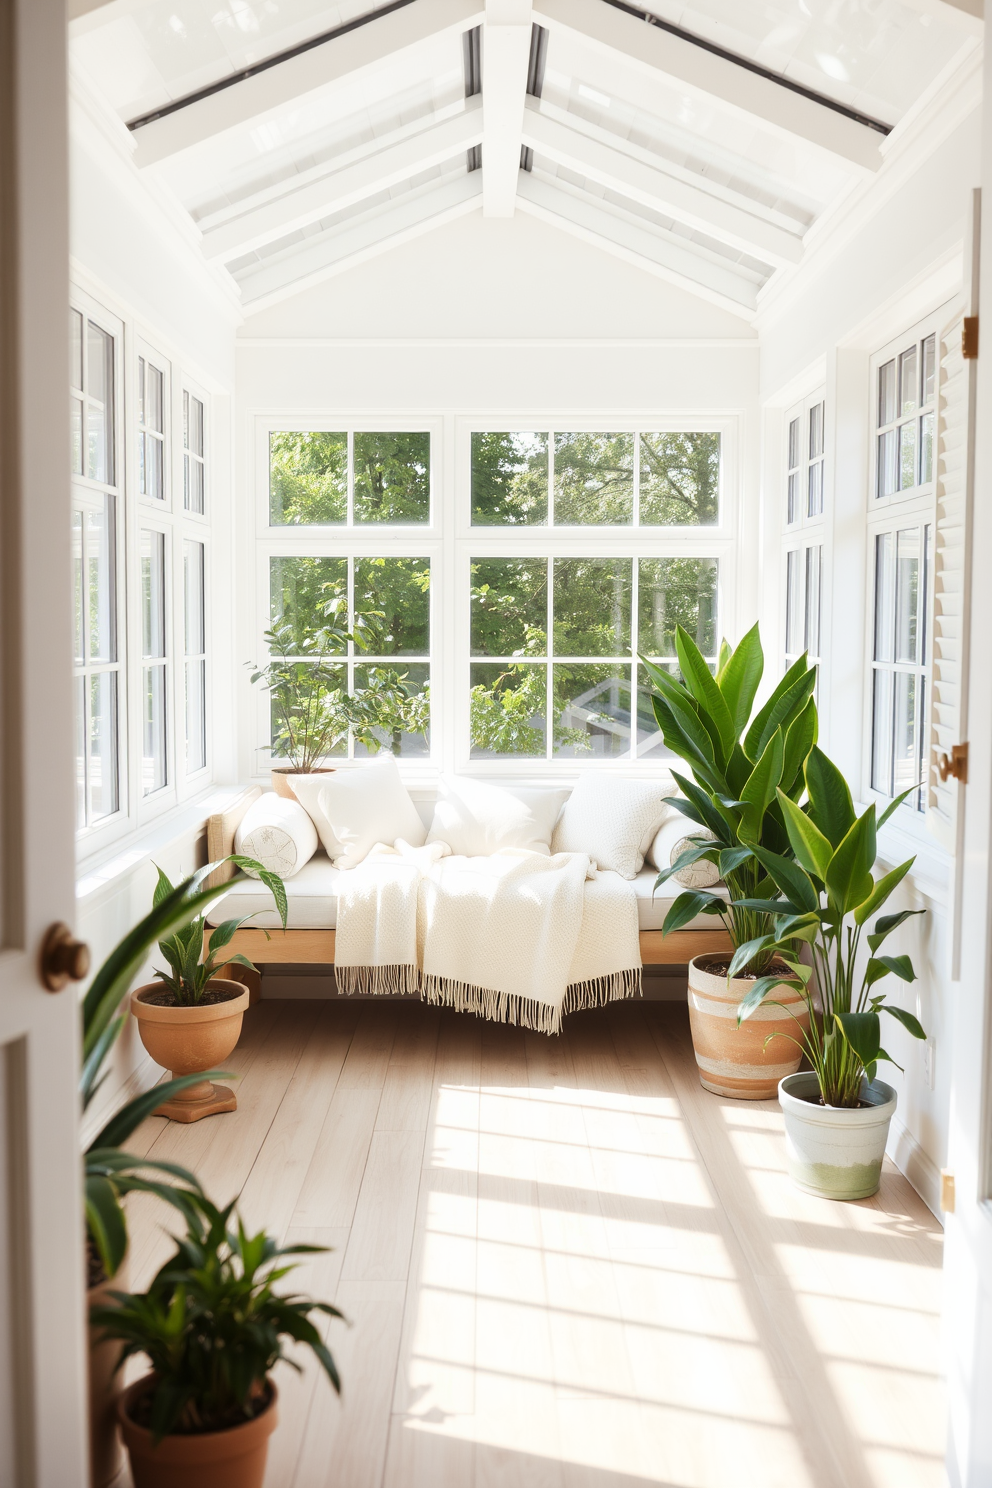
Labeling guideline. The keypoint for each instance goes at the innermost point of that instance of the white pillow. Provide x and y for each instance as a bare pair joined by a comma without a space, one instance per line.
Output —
476,819
366,806
614,821
307,789
673,839
278,833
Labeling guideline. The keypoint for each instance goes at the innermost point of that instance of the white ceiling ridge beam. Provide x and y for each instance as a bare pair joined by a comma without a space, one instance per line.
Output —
595,224
378,170
612,168
655,51
505,57
348,56
335,252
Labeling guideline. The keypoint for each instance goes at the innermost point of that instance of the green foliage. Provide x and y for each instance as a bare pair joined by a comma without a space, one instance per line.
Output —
825,898
594,479
212,1325
680,480
509,479
183,949
675,592
743,770
386,705
502,715
392,477
308,478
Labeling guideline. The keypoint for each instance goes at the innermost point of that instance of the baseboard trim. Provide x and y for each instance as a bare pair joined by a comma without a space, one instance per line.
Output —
916,1165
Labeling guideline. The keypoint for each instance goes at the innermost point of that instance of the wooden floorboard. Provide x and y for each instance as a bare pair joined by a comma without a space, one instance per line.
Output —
564,1264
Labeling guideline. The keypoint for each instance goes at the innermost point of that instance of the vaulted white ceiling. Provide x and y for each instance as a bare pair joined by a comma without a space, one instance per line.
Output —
701,141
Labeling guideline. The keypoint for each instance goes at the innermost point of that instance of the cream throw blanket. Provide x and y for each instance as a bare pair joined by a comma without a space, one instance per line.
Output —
516,937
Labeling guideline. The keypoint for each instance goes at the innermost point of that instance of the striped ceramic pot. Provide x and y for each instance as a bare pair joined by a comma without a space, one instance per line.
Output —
737,1061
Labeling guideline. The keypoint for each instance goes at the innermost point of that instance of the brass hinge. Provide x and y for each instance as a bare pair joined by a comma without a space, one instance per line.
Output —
955,763
947,1194
969,338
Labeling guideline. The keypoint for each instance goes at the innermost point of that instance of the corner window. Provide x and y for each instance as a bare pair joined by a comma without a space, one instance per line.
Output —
905,405
900,660
193,453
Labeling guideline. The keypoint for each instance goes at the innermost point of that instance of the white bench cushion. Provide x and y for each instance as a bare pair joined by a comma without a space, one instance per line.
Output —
312,897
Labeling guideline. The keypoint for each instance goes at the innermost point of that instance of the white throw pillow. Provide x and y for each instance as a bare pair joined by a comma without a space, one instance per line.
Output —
278,834
476,819
366,806
614,821
307,789
673,839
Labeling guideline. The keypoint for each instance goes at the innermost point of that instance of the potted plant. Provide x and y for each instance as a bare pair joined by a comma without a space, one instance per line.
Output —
109,1172
837,1115
309,717
740,767
189,1018
212,1328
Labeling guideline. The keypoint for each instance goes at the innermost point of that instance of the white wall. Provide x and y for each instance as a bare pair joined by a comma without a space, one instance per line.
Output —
894,255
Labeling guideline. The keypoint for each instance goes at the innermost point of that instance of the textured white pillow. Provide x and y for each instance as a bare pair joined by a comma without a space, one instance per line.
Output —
614,821
366,806
307,789
476,819
278,833
673,839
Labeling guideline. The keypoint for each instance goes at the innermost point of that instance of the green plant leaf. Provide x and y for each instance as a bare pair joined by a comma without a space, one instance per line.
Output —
704,688
790,878
911,1024
745,953
849,881
788,698
811,848
708,813
862,1033
900,966
129,1117
684,733
831,807
756,995
885,924
687,906
759,789
799,740
738,678
894,806
730,858
883,888
105,1222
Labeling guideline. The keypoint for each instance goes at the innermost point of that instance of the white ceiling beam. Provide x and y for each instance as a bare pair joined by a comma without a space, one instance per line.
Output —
596,223
505,55
377,171
655,51
344,57
410,216
610,167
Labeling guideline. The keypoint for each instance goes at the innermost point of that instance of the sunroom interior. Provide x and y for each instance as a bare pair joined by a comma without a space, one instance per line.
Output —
473,351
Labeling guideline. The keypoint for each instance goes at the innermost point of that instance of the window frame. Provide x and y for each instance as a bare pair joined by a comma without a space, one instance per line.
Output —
914,507
451,542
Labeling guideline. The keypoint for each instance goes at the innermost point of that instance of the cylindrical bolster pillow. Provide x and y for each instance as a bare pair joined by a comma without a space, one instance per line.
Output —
278,833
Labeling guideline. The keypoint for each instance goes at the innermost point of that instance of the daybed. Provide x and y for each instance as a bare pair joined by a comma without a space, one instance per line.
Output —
311,893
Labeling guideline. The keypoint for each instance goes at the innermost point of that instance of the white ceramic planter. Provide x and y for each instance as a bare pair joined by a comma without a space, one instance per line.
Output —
833,1152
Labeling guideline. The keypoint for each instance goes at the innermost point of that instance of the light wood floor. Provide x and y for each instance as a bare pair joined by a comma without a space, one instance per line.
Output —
565,1264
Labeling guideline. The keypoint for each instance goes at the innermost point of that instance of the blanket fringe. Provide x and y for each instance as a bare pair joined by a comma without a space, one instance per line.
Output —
527,1012
617,986
378,981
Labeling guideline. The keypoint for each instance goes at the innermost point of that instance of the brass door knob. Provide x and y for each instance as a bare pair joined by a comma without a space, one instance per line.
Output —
63,957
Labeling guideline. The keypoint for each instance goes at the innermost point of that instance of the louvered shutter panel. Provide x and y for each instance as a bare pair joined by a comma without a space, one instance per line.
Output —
955,447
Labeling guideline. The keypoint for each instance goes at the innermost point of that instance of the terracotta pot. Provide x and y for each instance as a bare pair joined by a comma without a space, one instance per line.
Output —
280,779
734,1061
187,1040
234,1458
833,1151
106,1454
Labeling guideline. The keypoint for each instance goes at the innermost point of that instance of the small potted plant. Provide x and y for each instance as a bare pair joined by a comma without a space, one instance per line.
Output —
212,1328
837,1115
109,1172
189,1019
741,766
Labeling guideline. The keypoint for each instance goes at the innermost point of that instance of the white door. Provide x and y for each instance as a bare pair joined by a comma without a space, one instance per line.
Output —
968,1261
42,1359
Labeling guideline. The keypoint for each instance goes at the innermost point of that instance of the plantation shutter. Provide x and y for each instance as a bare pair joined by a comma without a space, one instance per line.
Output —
951,610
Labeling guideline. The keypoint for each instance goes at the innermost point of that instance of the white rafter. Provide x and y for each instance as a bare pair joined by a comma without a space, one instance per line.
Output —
335,251
348,56
617,171
655,51
336,190
505,53
644,247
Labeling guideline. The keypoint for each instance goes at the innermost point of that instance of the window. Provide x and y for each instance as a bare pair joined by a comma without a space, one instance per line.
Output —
805,426
906,388
154,676
547,602
194,629
804,588
97,670
151,430
805,458
193,457
900,527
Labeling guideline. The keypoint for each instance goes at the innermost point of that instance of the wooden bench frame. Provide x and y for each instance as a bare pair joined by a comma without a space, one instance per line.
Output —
316,947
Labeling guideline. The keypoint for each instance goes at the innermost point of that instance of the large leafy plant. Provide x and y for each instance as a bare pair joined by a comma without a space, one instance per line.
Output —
741,768
191,970
109,1173
826,897
309,706
212,1326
